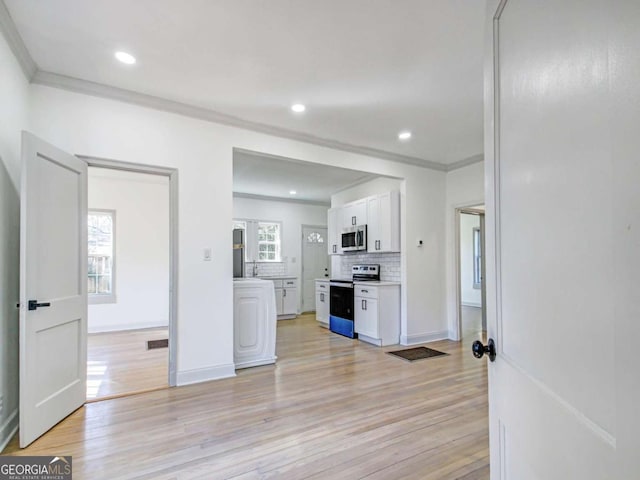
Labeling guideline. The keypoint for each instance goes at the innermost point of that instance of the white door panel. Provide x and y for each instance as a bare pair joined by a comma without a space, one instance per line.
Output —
550,242
315,263
53,271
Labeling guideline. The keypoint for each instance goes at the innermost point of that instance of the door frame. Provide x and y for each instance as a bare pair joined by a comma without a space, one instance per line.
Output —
469,210
302,227
172,175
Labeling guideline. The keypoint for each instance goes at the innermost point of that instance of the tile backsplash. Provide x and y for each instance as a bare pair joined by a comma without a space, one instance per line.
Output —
389,264
268,269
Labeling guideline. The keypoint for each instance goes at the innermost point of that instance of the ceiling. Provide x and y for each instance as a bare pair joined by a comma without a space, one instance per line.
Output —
268,176
365,69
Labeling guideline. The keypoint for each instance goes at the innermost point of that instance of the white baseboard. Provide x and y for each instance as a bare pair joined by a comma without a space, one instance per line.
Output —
125,327
424,337
199,375
256,363
8,429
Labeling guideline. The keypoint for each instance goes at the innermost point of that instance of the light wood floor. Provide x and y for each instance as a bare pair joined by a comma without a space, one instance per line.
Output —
332,408
119,363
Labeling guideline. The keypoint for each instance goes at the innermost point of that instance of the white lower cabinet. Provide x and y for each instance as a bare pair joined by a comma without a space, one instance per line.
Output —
254,323
286,297
377,313
322,302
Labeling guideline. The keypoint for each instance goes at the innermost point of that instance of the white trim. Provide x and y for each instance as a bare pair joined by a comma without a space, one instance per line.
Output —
95,89
36,76
466,207
172,174
138,326
97,298
465,162
16,44
256,363
9,427
198,375
424,337
251,196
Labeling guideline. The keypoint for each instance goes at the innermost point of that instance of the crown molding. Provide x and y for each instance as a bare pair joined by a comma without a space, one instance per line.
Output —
465,162
77,85
252,196
19,49
114,93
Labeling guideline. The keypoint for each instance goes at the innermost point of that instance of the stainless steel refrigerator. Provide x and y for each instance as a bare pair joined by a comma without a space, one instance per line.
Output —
238,253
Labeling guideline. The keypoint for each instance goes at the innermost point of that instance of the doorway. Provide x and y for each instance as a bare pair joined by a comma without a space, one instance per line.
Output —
131,235
315,263
470,273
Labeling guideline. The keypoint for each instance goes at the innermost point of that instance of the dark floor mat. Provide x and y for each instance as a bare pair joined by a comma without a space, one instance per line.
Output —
417,353
151,344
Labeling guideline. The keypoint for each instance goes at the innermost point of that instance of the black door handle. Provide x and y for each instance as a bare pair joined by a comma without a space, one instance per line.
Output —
479,349
34,305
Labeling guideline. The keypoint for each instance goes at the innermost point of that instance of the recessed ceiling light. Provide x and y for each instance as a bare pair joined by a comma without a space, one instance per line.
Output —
298,108
125,57
292,192
404,135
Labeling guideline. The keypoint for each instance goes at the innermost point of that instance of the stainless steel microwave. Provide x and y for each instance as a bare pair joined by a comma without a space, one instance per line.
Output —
354,238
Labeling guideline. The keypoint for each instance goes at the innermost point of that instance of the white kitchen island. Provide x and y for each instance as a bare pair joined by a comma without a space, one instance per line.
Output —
254,322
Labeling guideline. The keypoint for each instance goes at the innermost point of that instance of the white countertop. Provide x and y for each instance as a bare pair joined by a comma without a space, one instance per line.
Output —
381,283
322,279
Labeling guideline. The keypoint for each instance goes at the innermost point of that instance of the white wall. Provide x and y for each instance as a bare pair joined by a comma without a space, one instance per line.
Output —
293,216
141,203
14,109
203,154
465,188
390,263
470,296
377,185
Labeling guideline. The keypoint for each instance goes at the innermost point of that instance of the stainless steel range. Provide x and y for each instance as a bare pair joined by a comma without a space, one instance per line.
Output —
341,293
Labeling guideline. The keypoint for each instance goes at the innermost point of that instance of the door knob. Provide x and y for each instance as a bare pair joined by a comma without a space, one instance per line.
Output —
479,349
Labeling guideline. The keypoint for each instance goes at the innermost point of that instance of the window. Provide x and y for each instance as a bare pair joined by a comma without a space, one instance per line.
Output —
262,240
315,237
477,259
101,235
268,242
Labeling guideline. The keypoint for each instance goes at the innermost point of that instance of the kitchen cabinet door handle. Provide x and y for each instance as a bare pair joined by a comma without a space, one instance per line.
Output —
284,292
364,304
334,249
377,244
322,297
353,220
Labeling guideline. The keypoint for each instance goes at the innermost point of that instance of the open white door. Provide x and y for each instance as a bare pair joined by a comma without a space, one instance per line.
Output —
53,287
563,243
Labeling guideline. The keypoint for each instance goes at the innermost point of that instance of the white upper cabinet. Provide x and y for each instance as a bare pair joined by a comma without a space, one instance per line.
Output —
334,230
383,227
354,213
380,213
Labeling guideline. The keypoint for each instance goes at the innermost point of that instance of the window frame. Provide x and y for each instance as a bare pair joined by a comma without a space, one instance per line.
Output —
105,298
252,243
277,244
477,258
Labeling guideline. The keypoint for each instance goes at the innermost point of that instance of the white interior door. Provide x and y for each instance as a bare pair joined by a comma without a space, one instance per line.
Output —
53,286
563,212
315,263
